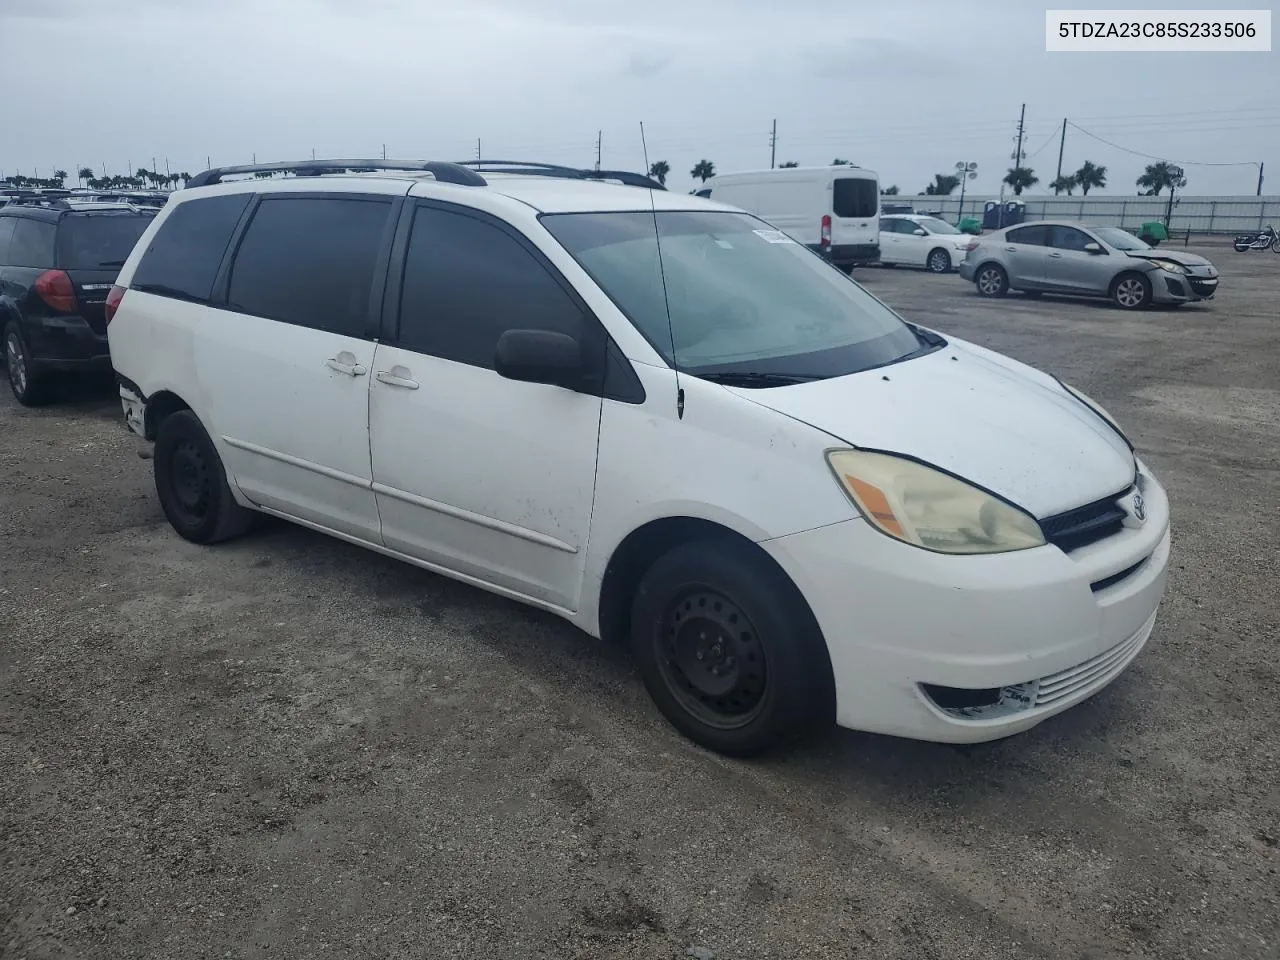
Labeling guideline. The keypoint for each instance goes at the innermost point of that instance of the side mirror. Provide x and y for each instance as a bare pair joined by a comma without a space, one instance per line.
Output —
539,356
1094,248
920,232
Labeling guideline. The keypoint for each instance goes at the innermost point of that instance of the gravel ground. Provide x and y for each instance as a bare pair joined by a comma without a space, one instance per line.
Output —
289,747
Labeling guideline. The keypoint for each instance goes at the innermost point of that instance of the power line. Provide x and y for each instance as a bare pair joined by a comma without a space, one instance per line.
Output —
1151,156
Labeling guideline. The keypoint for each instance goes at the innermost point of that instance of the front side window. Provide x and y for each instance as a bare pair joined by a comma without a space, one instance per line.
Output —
1069,238
32,243
100,241
310,261
741,299
467,281
855,197
183,257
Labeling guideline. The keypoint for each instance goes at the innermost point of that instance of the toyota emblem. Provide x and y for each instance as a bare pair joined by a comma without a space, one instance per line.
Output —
1139,507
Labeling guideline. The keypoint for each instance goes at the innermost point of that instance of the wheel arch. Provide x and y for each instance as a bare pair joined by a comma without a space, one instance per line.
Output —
161,405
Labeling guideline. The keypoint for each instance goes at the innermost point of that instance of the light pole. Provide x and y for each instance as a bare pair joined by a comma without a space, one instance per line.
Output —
1176,175
965,171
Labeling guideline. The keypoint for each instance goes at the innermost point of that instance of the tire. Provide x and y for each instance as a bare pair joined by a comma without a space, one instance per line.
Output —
1131,291
938,261
991,280
192,484
30,387
1275,244
729,650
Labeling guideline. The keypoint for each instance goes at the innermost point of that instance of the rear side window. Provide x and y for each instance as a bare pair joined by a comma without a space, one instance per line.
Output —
183,257
467,281
6,234
855,197
310,261
99,241
1036,235
1068,238
32,243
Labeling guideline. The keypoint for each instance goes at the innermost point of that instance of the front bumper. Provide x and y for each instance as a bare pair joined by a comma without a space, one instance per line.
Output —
1040,629
1183,288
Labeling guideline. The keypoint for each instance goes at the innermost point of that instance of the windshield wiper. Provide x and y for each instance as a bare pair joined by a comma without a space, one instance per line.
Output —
756,378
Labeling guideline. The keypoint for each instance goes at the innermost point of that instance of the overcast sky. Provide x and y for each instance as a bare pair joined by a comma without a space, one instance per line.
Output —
907,90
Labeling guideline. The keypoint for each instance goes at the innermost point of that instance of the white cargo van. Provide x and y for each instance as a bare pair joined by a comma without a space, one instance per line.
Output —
833,210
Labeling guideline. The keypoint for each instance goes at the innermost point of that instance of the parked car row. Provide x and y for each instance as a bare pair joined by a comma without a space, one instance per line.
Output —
654,415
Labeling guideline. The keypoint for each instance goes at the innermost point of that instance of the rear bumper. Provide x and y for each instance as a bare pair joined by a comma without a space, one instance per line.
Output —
849,254
66,343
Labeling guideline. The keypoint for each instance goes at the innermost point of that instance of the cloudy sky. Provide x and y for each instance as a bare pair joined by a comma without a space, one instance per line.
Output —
907,90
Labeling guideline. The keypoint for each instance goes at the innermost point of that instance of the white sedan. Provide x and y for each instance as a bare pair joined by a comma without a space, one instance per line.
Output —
914,240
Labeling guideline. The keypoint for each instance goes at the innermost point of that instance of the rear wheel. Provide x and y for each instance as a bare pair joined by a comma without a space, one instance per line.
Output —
192,485
729,650
991,281
939,261
1131,291
30,386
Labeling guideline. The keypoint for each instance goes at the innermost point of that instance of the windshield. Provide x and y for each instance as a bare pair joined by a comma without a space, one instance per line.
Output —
98,241
1120,239
934,225
744,299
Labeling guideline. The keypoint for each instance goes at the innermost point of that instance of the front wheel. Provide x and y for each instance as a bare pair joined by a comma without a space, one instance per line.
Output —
192,484
1131,291
1275,244
939,261
991,281
729,650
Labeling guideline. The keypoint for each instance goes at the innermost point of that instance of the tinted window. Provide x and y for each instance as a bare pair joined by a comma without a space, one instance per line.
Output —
183,257
703,193
855,197
32,244
466,282
99,241
1068,238
6,232
1035,235
310,261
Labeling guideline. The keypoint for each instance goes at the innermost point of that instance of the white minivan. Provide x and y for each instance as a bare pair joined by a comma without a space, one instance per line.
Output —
657,417
832,210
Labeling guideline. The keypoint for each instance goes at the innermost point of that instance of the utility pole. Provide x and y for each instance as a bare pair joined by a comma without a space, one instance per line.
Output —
1061,143
477,150
773,146
599,144
1017,156
1260,166
384,151
313,153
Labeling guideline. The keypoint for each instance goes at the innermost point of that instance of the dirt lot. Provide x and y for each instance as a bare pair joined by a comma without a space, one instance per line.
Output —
288,747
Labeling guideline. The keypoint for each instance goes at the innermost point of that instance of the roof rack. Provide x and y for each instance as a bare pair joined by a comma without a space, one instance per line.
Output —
55,203
444,172
534,169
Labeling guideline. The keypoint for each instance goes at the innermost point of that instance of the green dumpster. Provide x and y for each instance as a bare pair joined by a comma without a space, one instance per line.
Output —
970,225
1153,231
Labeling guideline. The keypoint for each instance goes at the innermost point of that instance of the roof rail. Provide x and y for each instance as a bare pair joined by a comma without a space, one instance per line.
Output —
444,172
535,169
54,203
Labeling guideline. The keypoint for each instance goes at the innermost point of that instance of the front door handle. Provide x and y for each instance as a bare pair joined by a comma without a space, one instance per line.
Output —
346,363
397,377
1055,256
1011,249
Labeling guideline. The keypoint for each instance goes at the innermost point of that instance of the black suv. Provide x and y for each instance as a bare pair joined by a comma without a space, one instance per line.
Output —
57,264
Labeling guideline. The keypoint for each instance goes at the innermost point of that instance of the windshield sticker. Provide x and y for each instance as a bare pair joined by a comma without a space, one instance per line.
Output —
724,244
773,236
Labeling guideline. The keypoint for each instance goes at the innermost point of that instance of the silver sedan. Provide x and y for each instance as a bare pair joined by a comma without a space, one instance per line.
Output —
1053,256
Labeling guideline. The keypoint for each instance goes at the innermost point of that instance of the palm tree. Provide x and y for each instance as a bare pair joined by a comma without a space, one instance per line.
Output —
891,191
1019,178
184,177
1159,175
659,170
841,163
703,170
1064,183
1090,175
943,184
60,177
789,165
84,175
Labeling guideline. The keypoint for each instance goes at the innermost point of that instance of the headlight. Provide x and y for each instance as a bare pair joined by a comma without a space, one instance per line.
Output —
1098,409
930,509
1169,266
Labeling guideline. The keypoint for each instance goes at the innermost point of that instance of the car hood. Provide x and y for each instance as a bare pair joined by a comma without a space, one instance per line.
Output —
1177,256
983,417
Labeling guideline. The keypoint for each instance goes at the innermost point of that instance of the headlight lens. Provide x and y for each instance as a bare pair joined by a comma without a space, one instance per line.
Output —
928,508
1169,266
1098,409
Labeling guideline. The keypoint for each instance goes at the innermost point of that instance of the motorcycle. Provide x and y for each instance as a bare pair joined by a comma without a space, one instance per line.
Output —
1262,240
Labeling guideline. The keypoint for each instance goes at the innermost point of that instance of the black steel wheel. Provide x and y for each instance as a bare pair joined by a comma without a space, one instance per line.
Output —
729,650
192,485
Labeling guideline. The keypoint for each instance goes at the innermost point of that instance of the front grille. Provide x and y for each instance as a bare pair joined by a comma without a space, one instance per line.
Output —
1204,288
1085,525
1095,672
1099,585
